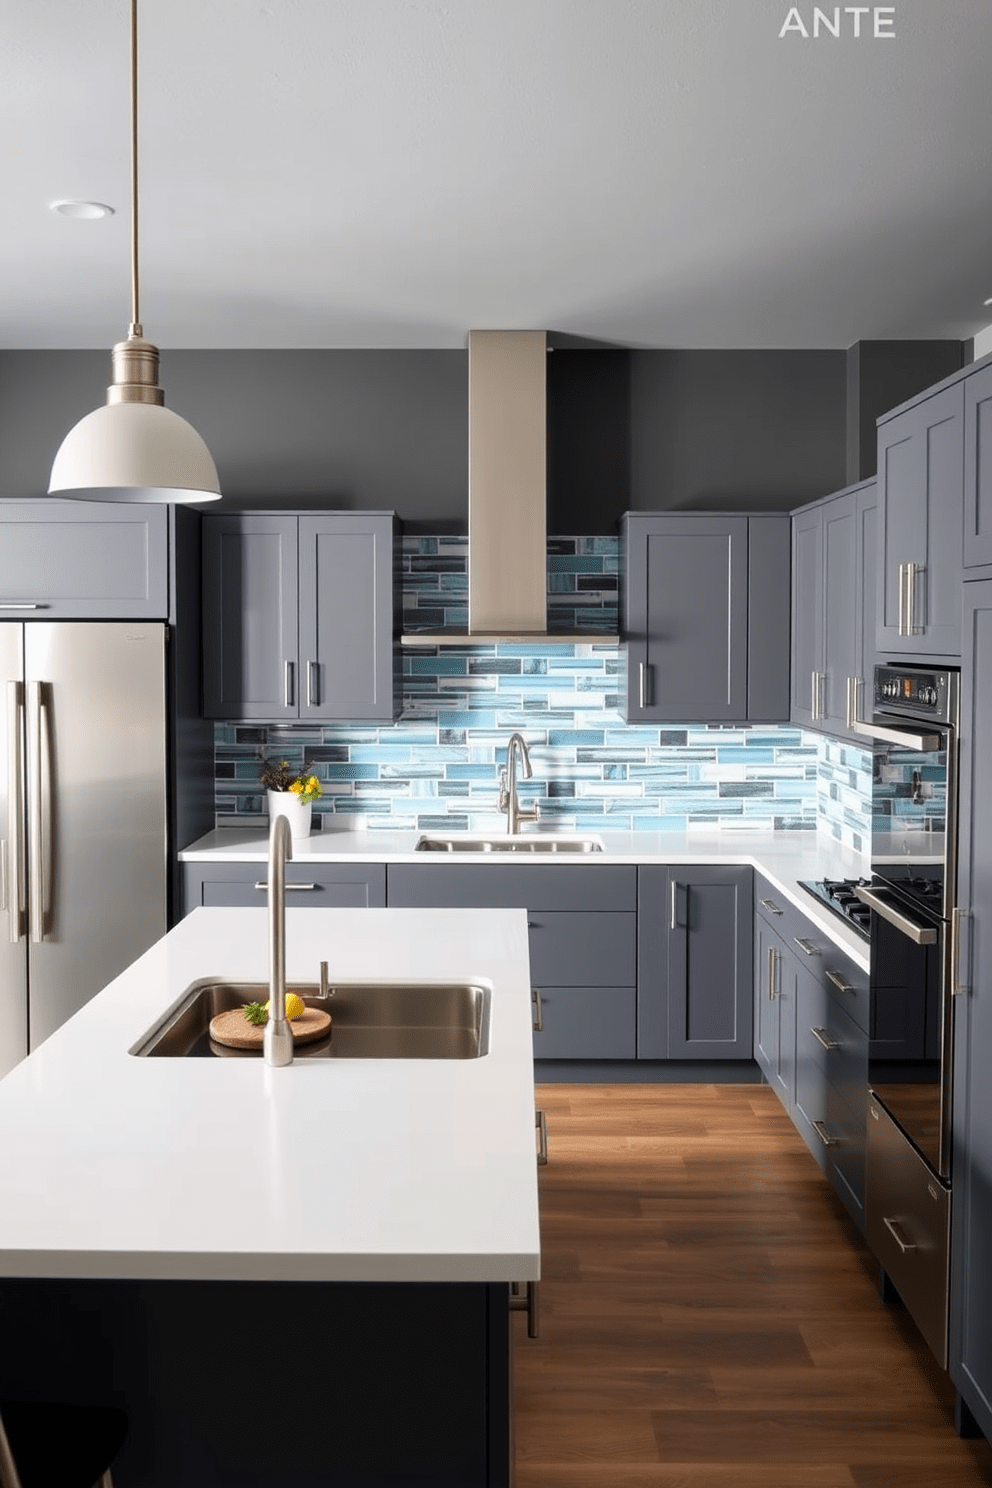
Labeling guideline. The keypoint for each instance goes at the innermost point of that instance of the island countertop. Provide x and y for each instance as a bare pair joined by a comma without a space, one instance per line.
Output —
115,1165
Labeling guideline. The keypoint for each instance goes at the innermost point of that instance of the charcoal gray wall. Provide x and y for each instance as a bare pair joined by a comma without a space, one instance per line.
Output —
880,376
737,430
628,430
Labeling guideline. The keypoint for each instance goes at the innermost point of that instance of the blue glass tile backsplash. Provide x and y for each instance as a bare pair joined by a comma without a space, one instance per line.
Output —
436,768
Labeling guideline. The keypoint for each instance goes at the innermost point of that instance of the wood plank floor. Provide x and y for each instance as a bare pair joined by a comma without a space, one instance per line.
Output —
709,1315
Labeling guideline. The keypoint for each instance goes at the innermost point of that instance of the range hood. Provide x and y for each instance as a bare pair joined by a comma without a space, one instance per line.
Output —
507,496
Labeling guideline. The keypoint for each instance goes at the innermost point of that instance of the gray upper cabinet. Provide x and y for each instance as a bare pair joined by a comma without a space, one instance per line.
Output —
920,514
971,1222
833,615
79,560
300,616
704,643
348,617
978,468
250,616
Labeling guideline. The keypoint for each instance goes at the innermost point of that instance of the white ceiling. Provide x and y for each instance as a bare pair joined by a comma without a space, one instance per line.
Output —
390,173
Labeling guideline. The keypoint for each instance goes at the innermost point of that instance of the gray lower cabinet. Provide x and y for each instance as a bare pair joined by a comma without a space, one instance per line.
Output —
308,885
920,517
978,469
705,618
694,985
811,1039
300,616
971,1198
582,924
82,560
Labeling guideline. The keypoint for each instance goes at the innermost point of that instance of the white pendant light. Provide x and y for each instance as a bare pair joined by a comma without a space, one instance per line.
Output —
134,448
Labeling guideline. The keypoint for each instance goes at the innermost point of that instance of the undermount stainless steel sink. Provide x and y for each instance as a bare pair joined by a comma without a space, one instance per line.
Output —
529,843
373,1020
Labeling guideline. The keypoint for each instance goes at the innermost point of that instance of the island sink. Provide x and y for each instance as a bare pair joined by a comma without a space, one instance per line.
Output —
369,1020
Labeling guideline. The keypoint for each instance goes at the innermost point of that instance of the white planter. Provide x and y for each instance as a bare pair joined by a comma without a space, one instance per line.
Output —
297,812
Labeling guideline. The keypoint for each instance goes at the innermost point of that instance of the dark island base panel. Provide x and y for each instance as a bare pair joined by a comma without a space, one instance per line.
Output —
647,1072
275,1385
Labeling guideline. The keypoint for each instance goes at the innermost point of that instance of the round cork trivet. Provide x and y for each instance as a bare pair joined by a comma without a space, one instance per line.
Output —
233,1029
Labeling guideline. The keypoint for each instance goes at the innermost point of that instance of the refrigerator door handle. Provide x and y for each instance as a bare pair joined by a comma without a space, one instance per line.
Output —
36,846
15,807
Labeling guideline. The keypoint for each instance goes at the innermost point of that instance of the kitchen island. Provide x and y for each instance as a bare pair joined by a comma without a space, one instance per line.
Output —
291,1275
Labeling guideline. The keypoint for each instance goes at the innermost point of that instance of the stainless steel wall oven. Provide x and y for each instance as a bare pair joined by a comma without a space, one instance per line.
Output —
914,938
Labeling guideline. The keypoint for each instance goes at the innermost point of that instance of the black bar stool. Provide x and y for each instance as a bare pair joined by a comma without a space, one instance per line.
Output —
58,1446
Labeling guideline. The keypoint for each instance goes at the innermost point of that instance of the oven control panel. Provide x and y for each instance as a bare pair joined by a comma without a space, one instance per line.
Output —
915,692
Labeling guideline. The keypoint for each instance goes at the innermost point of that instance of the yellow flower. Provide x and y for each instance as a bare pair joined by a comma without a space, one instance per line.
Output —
297,787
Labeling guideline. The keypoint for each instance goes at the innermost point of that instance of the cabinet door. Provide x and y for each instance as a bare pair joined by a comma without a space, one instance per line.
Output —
710,959
840,634
920,504
971,1227
867,570
767,952
250,643
978,468
347,622
81,560
807,614
686,619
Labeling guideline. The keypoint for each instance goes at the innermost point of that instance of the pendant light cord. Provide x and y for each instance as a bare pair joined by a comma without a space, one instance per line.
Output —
135,322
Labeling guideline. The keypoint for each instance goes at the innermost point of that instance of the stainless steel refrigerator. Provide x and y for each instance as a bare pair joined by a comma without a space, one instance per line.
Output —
83,815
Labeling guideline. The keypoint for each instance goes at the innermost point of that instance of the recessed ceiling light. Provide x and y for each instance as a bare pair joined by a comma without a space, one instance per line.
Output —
82,210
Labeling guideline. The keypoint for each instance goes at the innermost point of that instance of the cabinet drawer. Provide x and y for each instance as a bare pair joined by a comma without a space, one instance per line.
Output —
550,886
830,1039
582,950
587,1023
320,886
907,1215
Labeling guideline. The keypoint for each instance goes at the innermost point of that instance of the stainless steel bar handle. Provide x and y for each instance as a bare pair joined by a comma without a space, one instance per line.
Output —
918,934
806,946
526,1301
36,860
903,624
958,988
287,691
820,1034
892,1225
772,957
853,691
840,981
913,570
18,604
541,1126
15,807
642,683
290,888
310,691
770,905
535,998
825,1137
673,920
821,695
813,713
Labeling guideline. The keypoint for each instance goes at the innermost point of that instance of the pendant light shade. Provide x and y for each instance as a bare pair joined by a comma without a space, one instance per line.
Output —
134,448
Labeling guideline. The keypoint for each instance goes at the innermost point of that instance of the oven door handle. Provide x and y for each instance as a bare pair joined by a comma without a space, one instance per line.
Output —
918,934
925,743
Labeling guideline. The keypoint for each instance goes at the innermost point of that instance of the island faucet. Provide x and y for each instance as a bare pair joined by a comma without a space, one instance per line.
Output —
508,799
277,1039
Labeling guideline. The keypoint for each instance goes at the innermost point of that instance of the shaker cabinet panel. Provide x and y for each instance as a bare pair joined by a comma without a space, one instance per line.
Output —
978,469
81,560
807,614
920,514
250,627
971,1222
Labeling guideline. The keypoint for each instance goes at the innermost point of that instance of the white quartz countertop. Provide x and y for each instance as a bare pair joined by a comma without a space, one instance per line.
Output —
785,859
114,1165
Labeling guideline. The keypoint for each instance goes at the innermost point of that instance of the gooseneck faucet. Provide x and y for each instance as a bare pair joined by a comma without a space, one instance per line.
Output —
277,1039
508,799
